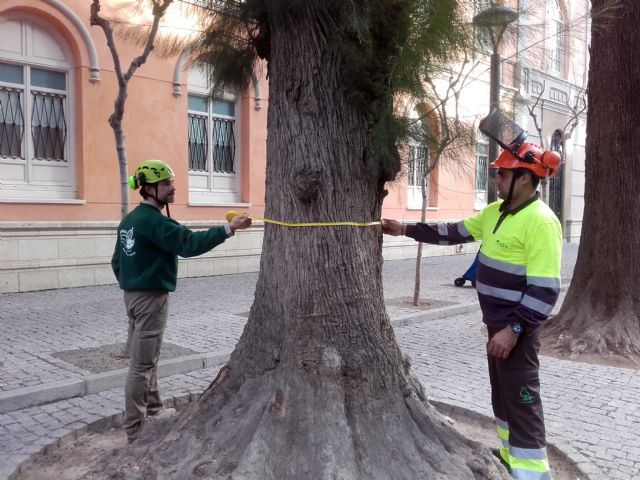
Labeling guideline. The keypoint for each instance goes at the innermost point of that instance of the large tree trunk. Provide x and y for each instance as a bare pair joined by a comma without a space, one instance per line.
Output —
317,387
601,312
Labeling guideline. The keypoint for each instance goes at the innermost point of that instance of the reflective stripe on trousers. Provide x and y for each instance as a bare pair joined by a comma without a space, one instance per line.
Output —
525,463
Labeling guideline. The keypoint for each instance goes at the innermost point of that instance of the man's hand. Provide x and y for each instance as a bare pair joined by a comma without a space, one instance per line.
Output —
502,343
392,227
240,222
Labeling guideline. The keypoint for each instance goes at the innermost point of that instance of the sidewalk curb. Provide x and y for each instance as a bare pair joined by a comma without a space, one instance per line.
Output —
581,463
52,392
437,314
65,389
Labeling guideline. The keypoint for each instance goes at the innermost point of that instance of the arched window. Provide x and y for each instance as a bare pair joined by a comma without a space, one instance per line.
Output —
36,121
555,36
556,141
214,173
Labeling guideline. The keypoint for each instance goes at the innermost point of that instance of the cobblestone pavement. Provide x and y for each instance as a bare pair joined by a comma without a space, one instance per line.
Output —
592,412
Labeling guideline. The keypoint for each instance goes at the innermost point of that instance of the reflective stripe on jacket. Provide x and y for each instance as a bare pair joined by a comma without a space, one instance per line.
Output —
518,277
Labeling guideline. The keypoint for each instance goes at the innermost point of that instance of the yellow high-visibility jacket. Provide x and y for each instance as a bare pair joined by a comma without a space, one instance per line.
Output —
518,277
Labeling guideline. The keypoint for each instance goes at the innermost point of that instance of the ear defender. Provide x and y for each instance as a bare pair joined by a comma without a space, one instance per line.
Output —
551,159
133,183
136,181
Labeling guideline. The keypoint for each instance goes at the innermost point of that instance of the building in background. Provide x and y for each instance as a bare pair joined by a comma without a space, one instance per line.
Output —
543,83
59,181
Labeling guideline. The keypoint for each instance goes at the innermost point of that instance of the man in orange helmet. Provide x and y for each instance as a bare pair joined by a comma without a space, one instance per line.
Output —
518,283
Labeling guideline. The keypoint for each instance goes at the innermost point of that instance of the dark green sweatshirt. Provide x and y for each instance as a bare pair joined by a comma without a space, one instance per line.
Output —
148,245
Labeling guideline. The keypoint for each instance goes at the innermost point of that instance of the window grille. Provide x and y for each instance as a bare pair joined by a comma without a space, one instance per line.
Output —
48,133
198,142
482,160
224,146
215,117
417,165
555,183
48,126
11,123
36,113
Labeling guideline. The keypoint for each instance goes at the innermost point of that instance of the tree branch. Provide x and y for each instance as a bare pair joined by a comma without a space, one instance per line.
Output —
159,9
105,25
534,115
577,109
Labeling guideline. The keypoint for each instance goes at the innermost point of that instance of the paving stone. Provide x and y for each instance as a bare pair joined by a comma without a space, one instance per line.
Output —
587,407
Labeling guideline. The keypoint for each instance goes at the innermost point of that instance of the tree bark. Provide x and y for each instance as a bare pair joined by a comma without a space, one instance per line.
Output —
317,387
601,312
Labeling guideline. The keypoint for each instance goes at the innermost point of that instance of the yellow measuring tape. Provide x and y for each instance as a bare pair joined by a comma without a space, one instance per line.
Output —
232,213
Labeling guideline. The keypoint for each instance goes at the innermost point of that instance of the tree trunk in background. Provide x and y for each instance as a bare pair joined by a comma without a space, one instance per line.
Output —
317,387
601,312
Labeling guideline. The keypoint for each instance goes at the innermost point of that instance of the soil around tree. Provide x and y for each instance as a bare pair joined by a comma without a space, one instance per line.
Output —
548,349
75,460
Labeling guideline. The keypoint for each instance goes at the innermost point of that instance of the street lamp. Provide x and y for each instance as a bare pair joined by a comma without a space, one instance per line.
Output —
494,20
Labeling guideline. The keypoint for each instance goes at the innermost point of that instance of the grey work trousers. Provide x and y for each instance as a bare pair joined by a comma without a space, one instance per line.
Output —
147,312
515,391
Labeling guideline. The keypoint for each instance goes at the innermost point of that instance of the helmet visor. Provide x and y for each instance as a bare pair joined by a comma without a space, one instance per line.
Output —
503,130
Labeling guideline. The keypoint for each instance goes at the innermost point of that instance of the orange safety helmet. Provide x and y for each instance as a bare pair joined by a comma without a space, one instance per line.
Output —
529,156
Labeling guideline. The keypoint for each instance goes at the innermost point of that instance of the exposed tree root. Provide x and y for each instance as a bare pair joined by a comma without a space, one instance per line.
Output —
296,424
582,329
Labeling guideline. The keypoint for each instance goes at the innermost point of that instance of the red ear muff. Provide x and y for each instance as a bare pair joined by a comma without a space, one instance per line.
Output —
551,160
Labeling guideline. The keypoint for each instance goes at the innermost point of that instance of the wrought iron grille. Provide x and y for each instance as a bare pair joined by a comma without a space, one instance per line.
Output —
555,183
48,126
223,145
11,123
555,193
417,165
198,144
482,159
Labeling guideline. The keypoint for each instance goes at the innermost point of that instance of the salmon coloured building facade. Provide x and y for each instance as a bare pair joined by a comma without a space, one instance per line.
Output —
59,178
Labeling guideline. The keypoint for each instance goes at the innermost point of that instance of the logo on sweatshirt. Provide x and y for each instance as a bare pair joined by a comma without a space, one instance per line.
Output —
127,241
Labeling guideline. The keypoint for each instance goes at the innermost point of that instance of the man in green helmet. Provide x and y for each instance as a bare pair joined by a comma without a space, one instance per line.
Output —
145,262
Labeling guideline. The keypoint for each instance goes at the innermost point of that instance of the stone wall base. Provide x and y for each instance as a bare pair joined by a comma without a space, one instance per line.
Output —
50,255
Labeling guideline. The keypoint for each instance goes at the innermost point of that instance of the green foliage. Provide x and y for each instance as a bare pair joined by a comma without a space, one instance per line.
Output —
387,48
232,63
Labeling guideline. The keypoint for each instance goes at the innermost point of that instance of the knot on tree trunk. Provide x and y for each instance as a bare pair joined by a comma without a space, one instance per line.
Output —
307,181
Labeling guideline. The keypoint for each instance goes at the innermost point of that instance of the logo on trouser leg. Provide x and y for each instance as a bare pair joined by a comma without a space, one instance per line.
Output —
525,396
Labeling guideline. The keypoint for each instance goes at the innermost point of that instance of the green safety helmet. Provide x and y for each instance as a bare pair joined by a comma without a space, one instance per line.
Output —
150,171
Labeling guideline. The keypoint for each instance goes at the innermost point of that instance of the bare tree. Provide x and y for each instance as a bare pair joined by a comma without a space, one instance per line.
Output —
159,7
576,107
601,311
442,129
